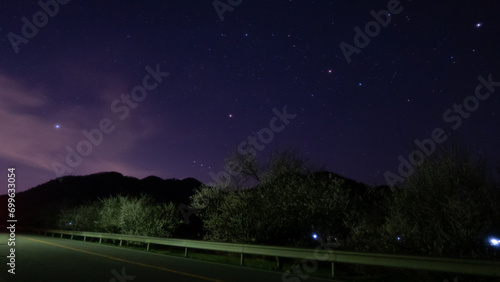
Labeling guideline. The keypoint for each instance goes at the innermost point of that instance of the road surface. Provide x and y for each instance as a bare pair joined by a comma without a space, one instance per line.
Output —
40,258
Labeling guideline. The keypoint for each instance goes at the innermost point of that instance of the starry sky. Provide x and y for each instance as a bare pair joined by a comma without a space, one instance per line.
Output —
167,88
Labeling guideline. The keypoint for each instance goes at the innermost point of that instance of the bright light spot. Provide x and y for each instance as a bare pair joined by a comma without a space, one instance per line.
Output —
495,242
70,223
399,238
57,126
315,236
230,115
360,84
479,24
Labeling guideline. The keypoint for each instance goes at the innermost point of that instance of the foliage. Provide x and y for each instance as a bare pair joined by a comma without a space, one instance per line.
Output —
66,218
110,214
142,216
125,215
446,208
283,209
83,218
296,205
243,169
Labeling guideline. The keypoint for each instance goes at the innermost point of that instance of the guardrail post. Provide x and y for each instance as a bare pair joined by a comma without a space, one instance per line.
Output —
61,235
71,236
333,269
147,248
100,239
186,252
84,238
242,259
120,243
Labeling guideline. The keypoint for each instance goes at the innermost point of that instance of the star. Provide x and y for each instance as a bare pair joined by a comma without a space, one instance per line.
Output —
478,25
230,115
57,126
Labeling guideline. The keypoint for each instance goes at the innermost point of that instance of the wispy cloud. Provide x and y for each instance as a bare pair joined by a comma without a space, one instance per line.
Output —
30,139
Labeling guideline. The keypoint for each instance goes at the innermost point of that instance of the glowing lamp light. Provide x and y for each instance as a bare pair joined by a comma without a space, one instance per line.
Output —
495,242
399,238
70,223
315,236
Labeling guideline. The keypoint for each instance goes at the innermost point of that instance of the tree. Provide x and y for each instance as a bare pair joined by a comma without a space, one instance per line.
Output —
244,169
289,201
110,214
123,214
212,203
296,204
363,220
446,208
66,218
286,162
82,218
143,216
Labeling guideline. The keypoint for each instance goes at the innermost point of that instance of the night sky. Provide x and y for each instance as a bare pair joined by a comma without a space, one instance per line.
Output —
172,86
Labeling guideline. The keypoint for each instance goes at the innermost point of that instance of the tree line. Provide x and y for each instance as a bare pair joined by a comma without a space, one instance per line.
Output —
448,207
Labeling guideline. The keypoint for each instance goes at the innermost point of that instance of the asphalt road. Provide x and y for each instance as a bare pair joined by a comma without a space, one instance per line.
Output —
40,258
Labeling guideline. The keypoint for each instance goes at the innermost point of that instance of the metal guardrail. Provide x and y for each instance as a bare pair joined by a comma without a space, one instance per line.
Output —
462,266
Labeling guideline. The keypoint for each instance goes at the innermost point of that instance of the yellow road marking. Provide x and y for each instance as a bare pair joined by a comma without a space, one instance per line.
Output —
131,262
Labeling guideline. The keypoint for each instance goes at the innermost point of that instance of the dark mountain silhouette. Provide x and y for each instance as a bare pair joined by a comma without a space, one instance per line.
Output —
40,206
